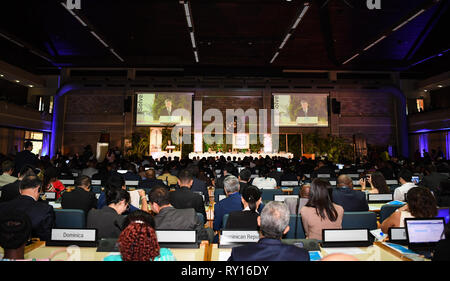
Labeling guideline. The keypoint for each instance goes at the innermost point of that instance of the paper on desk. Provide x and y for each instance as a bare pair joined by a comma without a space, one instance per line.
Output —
223,256
135,198
349,250
378,234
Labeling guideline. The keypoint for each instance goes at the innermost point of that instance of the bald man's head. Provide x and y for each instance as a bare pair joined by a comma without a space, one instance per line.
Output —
344,180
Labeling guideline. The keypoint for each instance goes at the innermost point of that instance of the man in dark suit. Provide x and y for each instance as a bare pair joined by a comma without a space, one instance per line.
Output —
198,185
12,191
167,110
150,180
41,214
25,157
81,197
351,200
169,218
184,198
432,179
273,223
227,171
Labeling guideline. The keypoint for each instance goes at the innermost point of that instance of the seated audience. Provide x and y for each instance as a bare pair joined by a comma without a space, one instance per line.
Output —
273,223
296,204
184,198
130,175
197,184
12,191
140,226
41,214
167,178
150,180
81,197
377,183
263,181
15,231
109,220
404,178
232,203
247,219
432,179
244,179
26,157
420,204
351,200
116,181
8,169
169,218
320,212
51,182
227,171
443,196
90,170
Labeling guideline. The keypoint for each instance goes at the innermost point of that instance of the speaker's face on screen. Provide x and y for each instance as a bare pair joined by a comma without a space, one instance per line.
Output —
168,103
305,105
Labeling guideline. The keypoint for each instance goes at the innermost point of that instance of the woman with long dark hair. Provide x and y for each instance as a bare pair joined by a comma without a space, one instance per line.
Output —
320,212
377,183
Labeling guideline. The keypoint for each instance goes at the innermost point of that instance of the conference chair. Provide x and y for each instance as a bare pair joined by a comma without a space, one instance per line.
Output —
96,189
70,218
296,230
224,220
267,194
387,210
201,217
359,220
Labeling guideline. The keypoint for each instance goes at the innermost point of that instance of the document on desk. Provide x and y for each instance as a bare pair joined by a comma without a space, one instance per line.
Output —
346,250
223,256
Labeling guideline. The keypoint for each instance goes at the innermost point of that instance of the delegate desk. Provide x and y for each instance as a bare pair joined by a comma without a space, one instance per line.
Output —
376,252
40,251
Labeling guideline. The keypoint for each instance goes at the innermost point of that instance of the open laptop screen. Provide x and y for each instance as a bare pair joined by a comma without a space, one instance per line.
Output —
424,231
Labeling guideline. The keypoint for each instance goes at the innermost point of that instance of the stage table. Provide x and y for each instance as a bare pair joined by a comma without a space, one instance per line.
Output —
239,155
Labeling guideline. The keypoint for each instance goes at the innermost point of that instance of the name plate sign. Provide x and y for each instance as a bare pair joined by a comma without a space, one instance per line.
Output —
281,198
67,182
380,197
289,183
96,182
176,236
74,235
238,236
132,183
50,195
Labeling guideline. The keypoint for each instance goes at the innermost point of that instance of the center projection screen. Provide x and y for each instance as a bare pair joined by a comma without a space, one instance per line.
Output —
163,109
301,110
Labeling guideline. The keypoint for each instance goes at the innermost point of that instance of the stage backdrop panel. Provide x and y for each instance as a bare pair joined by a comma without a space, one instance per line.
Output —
301,110
161,109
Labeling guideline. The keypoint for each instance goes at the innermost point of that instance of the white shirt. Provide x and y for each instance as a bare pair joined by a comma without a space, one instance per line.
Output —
399,193
264,183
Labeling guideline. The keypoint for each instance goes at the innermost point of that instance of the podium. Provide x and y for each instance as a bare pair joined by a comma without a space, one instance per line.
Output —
170,148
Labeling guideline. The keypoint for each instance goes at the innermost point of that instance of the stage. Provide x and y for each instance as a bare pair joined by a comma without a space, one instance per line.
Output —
238,156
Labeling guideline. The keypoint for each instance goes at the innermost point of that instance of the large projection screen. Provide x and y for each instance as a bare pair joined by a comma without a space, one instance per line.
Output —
163,109
301,110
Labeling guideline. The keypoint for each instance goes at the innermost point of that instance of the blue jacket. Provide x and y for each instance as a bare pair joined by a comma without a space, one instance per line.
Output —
351,200
268,250
230,204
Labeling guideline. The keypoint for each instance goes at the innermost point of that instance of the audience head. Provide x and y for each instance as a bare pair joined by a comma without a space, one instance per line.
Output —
251,196
185,178
26,171
404,176
158,197
379,182
118,199
274,220
228,169
263,172
28,145
150,173
83,181
319,198
421,202
8,167
344,180
15,231
138,241
231,185
304,191
245,175
30,186
115,181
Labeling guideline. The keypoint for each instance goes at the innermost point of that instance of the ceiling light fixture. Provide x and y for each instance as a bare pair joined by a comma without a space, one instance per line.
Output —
12,40
99,39
114,53
440,86
374,43
31,86
190,24
350,58
290,32
17,81
408,20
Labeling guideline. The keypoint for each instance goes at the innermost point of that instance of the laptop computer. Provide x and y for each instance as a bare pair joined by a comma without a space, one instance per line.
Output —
397,235
423,234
